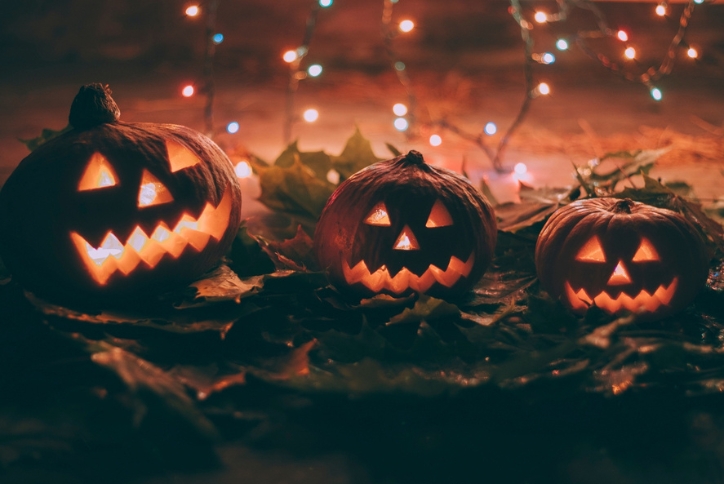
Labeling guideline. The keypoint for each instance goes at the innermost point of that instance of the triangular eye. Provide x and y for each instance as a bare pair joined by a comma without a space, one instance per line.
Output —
592,251
152,191
98,174
180,157
378,216
439,216
406,240
646,252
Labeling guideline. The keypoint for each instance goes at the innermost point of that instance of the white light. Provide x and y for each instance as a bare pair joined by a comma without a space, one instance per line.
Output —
333,177
490,128
692,53
541,17
400,66
544,88
698,2
325,3
399,109
290,56
520,169
407,25
401,124
630,53
314,70
310,115
232,127
660,10
548,58
192,11
622,35
188,91
656,94
562,44
243,169
435,140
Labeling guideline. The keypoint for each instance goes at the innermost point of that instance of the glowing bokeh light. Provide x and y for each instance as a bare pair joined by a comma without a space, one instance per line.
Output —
490,128
192,10
435,140
520,169
622,35
232,127
310,115
544,88
243,169
314,70
188,91
630,53
407,25
541,17
548,58
325,3
656,94
333,176
290,56
660,10
692,52
399,109
401,124
218,38
562,44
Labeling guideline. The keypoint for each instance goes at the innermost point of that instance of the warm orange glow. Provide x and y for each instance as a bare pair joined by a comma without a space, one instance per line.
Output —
404,279
439,216
620,276
98,174
580,301
406,240
113,256
180,157
378,216
592,251
646,252
152,191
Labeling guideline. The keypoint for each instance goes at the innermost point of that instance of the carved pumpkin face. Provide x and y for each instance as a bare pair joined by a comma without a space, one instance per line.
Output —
621,256
113,209
402,226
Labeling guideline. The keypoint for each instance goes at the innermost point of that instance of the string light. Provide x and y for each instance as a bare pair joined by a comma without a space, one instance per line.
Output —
218,38
399,109
232,127
310,115
698,2
333,177
548,58
435,140
314,70
188,91
192,10
243,169
543,88
490,128
407,26
656,94
400,66
660,10
290,56
622,35
630,53
541,17
562,44
691,52
401,124
325,3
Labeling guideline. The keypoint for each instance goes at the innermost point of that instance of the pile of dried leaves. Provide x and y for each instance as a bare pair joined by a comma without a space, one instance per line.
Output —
263,353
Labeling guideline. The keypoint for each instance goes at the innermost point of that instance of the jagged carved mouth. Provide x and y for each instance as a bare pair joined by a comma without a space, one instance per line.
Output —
113,256
404,279
642,301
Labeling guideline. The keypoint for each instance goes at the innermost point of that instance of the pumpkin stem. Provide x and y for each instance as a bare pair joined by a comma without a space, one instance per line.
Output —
623,206
93,105
414,157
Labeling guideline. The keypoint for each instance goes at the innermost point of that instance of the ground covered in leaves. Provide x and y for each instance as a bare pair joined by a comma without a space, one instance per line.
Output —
502,386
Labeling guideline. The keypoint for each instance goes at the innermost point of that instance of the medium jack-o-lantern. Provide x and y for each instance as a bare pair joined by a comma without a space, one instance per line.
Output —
402,226
621,256
113,209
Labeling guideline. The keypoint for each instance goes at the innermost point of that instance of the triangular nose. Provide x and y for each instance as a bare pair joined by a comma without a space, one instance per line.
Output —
619,276
406,240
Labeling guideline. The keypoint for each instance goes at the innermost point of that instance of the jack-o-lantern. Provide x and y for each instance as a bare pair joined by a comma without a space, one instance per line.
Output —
112,209
402,226
621,256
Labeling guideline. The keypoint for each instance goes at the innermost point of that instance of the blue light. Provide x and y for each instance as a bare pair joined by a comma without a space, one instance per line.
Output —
218,38
699,2
232,127
656,94
325,3
548,58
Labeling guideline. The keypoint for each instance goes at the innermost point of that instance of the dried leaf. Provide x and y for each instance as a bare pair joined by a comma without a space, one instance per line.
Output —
357,154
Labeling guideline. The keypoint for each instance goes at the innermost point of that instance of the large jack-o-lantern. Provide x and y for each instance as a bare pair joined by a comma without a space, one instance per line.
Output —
622,256
402,226
113,209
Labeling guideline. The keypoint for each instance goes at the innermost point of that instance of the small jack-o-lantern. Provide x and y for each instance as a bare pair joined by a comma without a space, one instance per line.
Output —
622,256
402,226
115,209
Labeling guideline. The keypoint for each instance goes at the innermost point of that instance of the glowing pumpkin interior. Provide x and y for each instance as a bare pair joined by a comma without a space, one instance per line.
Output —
593,252
113,256
404,279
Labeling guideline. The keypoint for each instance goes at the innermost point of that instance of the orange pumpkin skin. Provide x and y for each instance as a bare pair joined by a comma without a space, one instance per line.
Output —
66,240
402,226
622,256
